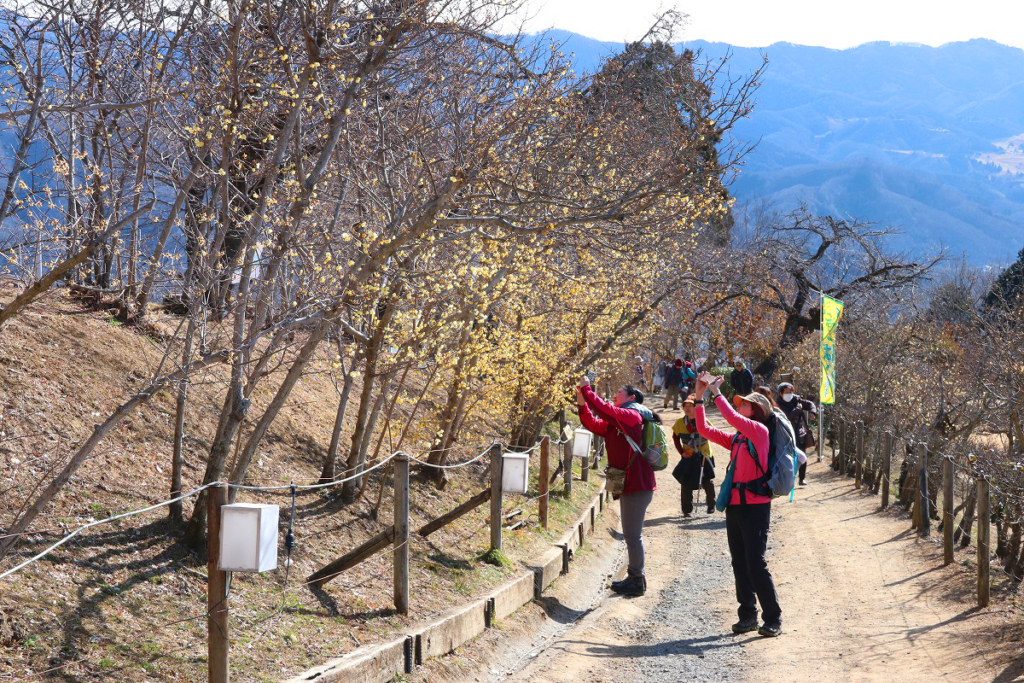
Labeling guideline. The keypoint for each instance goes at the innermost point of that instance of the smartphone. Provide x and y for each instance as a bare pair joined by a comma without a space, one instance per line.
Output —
591,375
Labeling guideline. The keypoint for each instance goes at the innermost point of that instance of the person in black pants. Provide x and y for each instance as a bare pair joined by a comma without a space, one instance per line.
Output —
796,410
749,510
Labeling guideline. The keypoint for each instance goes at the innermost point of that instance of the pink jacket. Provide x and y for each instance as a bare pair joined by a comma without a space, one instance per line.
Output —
606,420
745,468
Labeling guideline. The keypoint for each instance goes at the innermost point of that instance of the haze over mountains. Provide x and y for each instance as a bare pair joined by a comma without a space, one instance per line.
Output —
917,137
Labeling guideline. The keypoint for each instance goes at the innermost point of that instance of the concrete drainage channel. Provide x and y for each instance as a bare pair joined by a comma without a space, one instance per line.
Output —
380,663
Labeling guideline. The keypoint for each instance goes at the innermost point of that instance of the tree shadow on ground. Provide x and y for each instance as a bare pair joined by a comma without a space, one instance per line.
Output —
83,620
912,577
900,536
561,613
684,646
707,522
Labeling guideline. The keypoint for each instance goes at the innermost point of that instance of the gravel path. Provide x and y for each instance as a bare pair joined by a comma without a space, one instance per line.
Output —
678,631
863,600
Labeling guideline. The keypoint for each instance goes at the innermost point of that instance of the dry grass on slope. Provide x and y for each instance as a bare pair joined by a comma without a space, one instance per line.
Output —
126,601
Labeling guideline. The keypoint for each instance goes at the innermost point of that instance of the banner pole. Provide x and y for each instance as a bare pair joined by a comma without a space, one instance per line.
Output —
821,406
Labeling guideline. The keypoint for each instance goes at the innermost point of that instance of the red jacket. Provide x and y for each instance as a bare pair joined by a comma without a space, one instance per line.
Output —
604,419
745,467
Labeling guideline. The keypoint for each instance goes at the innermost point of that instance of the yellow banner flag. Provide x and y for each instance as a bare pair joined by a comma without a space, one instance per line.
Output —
831,312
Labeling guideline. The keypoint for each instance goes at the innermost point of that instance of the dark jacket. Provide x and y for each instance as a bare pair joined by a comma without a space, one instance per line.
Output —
794,411
742,382
673,376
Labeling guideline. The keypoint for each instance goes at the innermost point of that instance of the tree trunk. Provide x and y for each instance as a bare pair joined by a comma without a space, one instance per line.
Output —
328,472
1014,545
241,465
176,510
964,529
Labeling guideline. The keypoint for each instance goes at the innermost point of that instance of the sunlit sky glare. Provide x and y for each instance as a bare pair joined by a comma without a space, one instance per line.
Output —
758,23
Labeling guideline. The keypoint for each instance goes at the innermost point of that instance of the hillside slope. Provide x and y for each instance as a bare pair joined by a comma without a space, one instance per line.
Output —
126,601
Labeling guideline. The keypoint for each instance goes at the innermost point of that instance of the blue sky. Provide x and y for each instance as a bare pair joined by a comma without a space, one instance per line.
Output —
757,23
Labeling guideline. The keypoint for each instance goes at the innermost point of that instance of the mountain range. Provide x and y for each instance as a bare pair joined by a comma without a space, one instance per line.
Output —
929,140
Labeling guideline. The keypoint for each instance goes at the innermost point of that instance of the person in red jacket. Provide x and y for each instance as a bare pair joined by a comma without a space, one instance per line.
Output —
749,512
611,422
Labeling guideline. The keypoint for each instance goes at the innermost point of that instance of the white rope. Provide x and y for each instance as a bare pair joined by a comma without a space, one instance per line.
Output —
242,487
456,465
314,487
104,521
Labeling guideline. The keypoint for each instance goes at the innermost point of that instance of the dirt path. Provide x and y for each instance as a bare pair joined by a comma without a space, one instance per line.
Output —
863,600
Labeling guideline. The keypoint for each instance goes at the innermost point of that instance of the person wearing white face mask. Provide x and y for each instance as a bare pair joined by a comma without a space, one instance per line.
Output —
794,406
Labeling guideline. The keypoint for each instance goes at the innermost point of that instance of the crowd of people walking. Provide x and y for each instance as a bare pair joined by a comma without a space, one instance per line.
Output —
762,424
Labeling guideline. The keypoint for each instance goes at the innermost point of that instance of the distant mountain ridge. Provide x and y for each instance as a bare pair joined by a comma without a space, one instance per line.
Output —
898,134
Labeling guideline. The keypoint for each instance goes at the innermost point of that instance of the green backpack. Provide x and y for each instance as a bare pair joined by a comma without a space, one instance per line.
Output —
653,446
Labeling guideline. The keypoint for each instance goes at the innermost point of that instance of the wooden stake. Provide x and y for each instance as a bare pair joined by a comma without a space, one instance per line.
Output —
585,465
566,455
542,481
216,590
886,467
401,541
984,531
947,510
496,497
858,470
925,501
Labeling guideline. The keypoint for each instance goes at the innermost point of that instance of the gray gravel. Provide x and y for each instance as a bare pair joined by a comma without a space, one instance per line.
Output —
683,637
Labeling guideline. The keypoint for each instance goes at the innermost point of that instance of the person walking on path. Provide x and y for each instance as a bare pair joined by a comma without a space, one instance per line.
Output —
696,468
614,422
689,376
673,384
748,513
741,380
794,406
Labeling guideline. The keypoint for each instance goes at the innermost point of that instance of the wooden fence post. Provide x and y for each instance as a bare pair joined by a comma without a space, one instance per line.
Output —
401,542
496,497
585,465
886,467
947,510
216,590
566,455
837,458
542,481
858,468
984,531
850,452
926,517
832,441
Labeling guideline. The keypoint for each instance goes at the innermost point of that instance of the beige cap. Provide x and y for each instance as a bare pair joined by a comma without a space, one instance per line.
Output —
761,400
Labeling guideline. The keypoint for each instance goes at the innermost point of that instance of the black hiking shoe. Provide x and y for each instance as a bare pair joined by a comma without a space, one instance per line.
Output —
617,585
711,508
745,626
770,630
633,586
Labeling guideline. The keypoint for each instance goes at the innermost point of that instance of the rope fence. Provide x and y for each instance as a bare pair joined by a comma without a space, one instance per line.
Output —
397,538
962,488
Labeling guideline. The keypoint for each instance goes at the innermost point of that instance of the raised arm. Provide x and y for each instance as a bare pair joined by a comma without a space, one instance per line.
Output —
809,406
603,409
712,434
587,417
